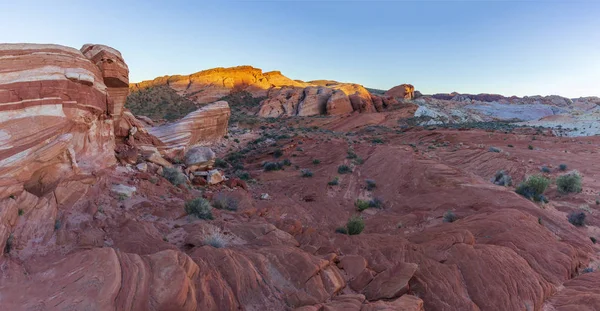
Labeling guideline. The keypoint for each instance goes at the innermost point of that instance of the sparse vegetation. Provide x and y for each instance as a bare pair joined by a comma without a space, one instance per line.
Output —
271,166
159,102
174,176
371,184
494,149
593,239
334,182
306,172
344,169
377,141
533,187
215,238
562,167
57,224
510,146
502,178
355,225
351,154
449,216
225,201
199,207
545,169
361,205
221,163
243,175
530,147
577,219
316,161
286,162
277,153
21,212
569,183
376,203
359,161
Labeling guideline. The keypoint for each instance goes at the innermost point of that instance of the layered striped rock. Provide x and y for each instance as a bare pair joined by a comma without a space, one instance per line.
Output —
53,116
204,125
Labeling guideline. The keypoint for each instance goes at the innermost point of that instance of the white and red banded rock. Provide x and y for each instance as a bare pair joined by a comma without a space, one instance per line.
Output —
206,124
53,117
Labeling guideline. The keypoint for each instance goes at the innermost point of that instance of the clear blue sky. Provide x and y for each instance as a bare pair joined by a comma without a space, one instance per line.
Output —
510,48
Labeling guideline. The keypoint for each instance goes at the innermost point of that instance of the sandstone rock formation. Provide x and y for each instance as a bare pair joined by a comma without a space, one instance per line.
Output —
206,124
405,91
210,85
53,116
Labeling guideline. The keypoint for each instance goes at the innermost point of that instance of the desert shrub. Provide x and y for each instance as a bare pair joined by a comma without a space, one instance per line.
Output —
545,169
530,147
344,169
355,225
299,149
371,184
271,166
221,163
173,175
376,203
577,219
334,182
449,216
587,270
316,161
361,205
215,238
351,154
277,153
224,201
306,172
533,187
21,212
199,207
569,183
286,162
494,149
359,161
510,146
243,175
341,230
377,141
502,178
562,167
593,239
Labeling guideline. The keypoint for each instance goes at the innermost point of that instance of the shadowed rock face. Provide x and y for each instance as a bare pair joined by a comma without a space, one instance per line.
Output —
114,72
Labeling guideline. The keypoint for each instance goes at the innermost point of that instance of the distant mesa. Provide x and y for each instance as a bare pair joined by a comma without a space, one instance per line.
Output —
282,95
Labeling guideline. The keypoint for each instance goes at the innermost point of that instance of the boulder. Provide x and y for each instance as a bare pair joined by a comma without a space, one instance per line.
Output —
199,156
314,101
404,91
391,283
123,190
207,124
214,177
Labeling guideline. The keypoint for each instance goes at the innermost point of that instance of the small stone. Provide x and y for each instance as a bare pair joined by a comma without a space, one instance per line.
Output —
142,167
123,190
214,177
264,196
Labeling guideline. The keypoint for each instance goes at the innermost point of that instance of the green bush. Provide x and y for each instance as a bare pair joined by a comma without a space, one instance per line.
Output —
224,201
199,207
533,187
316,161
562,167
334,182
501,178
243,175
271,166
220,163
344,169
577,218
569,183
376,203
355,225
545,169
306,172
286,162
530,147
361,205
174,176
351,154
277,153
